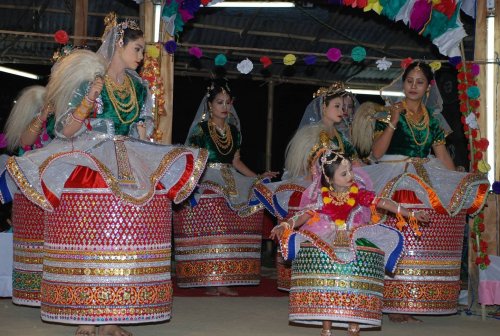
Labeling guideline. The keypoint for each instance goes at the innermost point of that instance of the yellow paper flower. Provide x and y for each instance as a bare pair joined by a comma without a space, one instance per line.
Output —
373,5
153,51
350,201
354,189
324,189
435,66
339,222
327,200
483,166
289,59
436,2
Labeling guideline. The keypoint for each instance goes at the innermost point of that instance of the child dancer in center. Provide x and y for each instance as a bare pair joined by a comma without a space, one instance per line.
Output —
338,254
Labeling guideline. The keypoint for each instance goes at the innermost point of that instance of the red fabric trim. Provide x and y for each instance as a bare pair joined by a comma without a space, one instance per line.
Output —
84,177
184,178
51,197
406,196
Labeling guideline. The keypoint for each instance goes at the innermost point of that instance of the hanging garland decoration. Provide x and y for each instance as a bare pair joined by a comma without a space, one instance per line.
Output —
151,73
468,94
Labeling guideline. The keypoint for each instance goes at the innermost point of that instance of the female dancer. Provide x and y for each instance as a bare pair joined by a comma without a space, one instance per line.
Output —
338,266
107,237
427,278
29,126
218,237
324,112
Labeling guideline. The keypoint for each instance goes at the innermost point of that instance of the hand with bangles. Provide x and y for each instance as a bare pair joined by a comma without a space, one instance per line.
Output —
278,230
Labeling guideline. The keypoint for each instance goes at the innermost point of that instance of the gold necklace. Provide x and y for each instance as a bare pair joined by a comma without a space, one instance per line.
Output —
127,89
419,126
339,197
223,142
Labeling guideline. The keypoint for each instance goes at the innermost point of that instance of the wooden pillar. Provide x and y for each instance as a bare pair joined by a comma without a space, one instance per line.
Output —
269,129
80,21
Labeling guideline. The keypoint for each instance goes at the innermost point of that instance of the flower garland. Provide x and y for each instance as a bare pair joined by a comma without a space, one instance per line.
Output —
331,205
468,94
151,73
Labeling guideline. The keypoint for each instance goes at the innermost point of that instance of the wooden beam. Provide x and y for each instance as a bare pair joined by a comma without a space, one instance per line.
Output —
80,21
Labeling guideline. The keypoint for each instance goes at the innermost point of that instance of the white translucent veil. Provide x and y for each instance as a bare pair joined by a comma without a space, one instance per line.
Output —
202,115
433,101
110,39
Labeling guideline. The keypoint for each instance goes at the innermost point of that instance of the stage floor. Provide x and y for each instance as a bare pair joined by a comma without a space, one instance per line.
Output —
240,316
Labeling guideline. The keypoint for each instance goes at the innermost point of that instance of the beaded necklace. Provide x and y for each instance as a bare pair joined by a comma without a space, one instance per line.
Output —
224,141
420,125
127,89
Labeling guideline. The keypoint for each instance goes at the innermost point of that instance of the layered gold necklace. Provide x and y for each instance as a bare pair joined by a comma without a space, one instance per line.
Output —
122,91
222,138
418,123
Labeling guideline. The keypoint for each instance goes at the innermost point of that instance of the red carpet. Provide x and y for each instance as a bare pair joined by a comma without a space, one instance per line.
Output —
267,288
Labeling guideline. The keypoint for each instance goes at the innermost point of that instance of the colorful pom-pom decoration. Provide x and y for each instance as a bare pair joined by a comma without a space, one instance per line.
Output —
358,54
220,60
334,54
289,59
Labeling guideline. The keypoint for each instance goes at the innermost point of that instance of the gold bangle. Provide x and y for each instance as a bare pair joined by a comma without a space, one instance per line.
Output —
35,129
87,103
80,113
391,126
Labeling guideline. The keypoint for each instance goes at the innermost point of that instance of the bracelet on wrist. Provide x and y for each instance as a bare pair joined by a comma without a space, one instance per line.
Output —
75,118
391,126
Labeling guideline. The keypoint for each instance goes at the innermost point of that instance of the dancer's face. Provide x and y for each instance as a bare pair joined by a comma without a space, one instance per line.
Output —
132,53
332,111
343,177
415,85
221,105
348,107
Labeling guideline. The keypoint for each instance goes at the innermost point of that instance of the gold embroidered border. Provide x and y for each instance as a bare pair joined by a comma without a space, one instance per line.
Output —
106,271
219,250
199,168
428,272
338,283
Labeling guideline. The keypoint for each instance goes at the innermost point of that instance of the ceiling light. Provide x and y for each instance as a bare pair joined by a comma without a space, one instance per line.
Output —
377,92
260,4
19,73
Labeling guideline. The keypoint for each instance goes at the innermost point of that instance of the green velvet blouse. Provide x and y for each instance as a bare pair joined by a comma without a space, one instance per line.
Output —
349,150
129,117
200,137
410,141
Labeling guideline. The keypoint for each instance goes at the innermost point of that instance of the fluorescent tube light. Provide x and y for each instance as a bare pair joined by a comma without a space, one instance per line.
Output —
490,95
157,16
376,92
261,4
19,73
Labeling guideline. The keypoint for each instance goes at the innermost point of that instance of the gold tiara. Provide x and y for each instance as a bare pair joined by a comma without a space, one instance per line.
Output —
110,21
334,89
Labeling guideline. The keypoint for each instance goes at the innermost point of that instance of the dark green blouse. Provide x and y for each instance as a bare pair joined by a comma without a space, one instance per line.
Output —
129,117
349,150
200,137
409,141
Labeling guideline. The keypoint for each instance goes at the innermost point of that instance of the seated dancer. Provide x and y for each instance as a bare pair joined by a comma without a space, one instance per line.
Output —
338,254
106,190
218,233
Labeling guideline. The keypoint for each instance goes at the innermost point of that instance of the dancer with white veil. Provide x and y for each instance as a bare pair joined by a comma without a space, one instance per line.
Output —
29,126
107,191
427,280
218,233
324,113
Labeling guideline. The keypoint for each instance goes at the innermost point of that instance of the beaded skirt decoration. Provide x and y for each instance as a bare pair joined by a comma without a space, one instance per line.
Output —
342,293
427,279
27,222
216,247
107,261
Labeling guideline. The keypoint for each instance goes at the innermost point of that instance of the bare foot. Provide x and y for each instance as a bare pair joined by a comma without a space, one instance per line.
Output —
86,330
113,330
353,329
212,291
227,291
402,318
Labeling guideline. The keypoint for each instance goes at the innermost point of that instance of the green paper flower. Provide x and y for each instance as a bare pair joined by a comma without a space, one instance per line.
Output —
473,92
358,54
220,60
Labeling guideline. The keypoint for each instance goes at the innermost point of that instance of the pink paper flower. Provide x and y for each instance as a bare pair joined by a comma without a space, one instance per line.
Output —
196,52
334,54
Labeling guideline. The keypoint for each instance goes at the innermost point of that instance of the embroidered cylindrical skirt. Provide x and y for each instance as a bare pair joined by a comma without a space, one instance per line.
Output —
324,290
427,280
284,272
107,261
216,247
27,223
